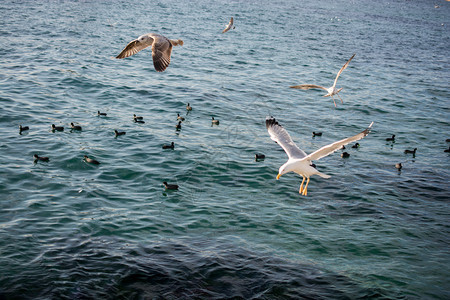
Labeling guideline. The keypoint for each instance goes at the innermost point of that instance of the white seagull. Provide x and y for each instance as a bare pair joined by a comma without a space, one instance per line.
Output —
161,49
229,25
299,162
331,91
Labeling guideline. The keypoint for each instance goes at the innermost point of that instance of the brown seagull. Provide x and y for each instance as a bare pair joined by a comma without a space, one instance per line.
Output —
229,25
161,49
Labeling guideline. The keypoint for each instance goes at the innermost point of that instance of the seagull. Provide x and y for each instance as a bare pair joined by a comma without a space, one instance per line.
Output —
161,49
229,25
331,91
299,162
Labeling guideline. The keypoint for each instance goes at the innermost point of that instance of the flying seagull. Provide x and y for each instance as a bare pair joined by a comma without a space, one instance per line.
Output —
229,25
331,91
161,49
299,162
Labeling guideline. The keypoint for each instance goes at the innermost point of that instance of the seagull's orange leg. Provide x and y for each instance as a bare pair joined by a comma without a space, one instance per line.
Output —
301,185
340,98
305,190
333,101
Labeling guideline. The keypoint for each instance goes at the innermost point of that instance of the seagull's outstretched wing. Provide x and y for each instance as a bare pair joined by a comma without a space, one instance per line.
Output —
307,87
326,150
342,69
229,25
161,51
133,47
282,137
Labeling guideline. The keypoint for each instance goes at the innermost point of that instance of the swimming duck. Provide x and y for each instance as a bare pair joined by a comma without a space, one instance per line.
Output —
214,121
171,146
259,156
41,158
411,151
91,161
398,166
345,155
178,126
75,127
170,186
343,147
391,138
180,117
137,118
316,133
23,128
188,107
57,128
100,113
355,146
447,150
119,132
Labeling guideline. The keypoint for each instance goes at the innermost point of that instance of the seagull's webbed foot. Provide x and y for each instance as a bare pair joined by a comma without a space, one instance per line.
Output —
301,185
305,190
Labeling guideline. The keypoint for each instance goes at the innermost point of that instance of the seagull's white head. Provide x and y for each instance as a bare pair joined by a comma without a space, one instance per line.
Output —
286,168
143,39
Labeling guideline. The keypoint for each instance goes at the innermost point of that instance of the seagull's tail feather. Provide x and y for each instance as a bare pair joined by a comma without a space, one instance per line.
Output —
177,42
323,175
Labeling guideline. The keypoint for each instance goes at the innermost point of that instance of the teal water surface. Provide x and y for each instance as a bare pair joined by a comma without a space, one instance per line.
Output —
73,230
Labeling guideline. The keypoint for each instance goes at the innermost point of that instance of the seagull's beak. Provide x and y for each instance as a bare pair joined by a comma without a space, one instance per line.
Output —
278,176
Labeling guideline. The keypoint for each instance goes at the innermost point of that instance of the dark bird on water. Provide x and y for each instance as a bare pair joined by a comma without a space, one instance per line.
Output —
180,117
316,133
447,150
41,158
170,186
398,166
57,128
188,107
171,146
411,151
355,145
259,156
100,113
214,121
137,117
178,126
119,132
75,127
23,128
345,155
391,138
91,161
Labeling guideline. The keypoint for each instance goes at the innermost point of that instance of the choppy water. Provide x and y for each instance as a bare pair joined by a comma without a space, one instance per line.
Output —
73,230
